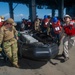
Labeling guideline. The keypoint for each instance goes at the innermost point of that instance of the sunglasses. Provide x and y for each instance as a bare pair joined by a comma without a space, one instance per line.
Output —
9,23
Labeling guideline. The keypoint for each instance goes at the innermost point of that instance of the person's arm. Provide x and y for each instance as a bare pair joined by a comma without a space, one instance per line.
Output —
35,26
15,32
1,35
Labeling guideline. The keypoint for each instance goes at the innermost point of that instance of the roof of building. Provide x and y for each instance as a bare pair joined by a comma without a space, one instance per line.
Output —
49,3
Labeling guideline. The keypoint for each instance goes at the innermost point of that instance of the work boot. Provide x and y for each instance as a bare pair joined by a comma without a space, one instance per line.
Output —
63,55
16,65
66,58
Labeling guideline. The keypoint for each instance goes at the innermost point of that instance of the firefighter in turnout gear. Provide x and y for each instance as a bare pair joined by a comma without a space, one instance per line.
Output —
8,37
69,39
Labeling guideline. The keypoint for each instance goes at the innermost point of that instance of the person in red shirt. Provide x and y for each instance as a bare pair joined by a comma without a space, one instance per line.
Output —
69,37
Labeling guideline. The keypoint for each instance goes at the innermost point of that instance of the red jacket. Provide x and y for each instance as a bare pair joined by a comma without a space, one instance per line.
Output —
70,29
57,27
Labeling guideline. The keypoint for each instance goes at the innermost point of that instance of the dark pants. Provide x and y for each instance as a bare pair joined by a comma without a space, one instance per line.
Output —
56,38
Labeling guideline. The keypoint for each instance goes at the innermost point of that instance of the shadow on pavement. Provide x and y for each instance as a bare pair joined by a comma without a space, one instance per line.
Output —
24,63
60,58
5,63
31,64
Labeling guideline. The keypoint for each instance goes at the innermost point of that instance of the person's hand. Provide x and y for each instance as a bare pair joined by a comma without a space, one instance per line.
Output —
17,38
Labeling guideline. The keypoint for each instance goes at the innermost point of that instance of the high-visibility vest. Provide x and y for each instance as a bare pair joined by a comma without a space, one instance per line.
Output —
45,23
56,27
70,29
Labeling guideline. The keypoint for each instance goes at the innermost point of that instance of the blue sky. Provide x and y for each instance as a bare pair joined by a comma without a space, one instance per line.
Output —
21,11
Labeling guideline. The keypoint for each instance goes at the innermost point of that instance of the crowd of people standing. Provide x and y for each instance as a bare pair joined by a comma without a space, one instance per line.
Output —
53,27
57,28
